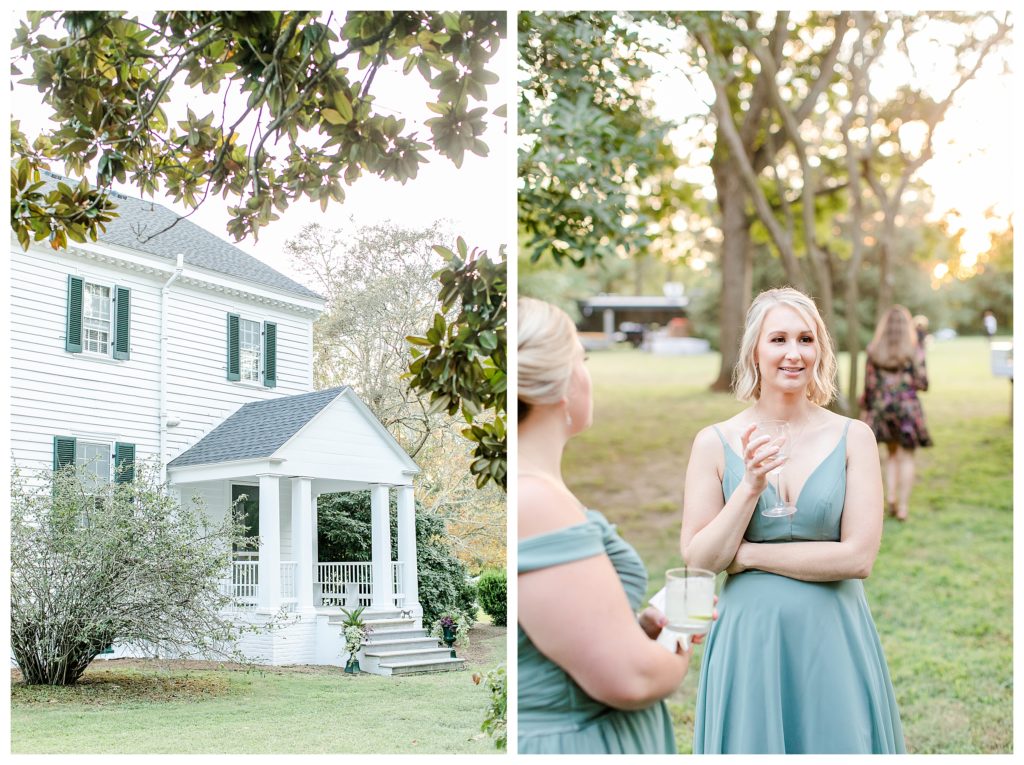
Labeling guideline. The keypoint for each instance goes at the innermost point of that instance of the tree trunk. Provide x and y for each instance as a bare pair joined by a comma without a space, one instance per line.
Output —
737,269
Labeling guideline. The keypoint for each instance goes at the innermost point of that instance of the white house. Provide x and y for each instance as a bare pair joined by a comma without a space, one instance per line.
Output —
161,341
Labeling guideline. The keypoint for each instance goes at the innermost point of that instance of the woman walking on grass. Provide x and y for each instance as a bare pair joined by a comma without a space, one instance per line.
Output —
895,371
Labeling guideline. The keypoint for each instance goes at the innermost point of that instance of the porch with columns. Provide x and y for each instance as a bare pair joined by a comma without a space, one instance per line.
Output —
290,451
267,582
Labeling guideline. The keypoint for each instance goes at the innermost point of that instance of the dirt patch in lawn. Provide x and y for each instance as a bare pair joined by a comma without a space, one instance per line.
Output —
123,683
481,649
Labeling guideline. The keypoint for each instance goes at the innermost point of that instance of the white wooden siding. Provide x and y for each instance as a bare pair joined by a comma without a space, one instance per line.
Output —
198,391
54,392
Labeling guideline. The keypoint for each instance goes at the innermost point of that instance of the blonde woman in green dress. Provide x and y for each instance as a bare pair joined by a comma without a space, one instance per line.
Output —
591,676
794,663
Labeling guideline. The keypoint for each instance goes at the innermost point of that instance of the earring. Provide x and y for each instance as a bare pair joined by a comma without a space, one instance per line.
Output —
568,420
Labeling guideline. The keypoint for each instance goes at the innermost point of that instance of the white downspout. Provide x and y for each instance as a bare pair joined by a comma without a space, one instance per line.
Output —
164,295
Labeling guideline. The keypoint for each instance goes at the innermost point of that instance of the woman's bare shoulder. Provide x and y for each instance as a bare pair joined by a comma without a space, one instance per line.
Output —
859,436
546,505
731,430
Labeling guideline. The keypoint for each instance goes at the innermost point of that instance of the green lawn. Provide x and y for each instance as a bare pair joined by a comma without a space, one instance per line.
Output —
941,589
274,712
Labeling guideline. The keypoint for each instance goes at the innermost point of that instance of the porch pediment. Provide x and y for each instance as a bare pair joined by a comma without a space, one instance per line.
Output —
327,435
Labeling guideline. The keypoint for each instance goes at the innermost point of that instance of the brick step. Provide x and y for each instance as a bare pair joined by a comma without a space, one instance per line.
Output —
407,655
421,668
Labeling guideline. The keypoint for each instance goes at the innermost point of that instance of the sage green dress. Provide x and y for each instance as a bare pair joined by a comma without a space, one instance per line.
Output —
793,666
555,715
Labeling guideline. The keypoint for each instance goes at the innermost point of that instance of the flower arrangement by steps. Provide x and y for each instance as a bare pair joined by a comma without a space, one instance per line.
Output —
355,632
453,627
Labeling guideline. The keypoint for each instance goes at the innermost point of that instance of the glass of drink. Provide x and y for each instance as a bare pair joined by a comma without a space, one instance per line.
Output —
689,600
778,432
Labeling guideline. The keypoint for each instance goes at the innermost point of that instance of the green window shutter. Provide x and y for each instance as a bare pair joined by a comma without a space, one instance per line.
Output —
269,354
63,452
73,328
234,355
124,463
122,325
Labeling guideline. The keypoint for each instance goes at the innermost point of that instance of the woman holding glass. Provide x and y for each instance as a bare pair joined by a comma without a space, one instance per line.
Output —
591,676
794,663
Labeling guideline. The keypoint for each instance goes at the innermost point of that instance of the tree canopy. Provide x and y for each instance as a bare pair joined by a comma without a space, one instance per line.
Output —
293,113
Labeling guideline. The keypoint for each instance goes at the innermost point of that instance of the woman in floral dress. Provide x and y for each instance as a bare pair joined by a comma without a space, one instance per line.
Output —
894,374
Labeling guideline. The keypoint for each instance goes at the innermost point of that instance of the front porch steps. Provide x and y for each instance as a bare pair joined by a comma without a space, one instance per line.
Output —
396,646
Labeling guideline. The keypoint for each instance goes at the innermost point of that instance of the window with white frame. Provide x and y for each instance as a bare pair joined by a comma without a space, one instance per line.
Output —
94,459
250,340
96,316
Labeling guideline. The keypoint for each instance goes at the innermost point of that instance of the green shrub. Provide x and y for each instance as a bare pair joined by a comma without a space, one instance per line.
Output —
492,592
343,526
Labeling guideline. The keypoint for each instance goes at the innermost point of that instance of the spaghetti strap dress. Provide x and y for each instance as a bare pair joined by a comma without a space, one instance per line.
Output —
556,716
793,666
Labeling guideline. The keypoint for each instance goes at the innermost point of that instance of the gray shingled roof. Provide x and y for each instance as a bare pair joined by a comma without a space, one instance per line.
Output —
258,429
140,225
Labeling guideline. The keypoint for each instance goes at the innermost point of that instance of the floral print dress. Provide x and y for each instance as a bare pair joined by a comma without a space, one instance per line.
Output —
891,406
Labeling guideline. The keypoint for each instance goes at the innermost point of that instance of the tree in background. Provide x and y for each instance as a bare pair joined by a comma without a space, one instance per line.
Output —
117,563
378,282
380,288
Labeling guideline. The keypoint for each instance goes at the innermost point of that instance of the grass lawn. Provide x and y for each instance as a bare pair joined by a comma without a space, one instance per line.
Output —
138,709
941,589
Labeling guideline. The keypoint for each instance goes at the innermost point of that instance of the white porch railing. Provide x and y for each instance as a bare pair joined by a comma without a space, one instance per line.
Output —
347,584
350,584
289,575
243,584
397,569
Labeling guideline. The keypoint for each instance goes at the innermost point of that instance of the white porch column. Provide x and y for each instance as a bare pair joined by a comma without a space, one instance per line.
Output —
407,546
270,543
303,539
383,593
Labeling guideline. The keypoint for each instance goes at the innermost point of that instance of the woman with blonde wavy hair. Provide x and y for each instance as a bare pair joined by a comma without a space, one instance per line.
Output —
893,374
592,679
794,663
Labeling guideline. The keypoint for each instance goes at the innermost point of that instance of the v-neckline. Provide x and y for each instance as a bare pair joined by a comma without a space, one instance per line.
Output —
810,475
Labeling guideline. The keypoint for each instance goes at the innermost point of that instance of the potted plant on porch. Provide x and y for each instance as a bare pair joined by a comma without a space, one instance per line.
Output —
355,632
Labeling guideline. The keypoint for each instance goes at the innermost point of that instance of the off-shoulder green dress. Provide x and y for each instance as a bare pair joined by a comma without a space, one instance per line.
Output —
555,715
793,666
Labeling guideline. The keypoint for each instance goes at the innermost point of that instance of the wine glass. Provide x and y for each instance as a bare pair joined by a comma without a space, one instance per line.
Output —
776,430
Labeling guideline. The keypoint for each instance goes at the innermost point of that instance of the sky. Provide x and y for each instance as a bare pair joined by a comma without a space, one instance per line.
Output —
474,197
